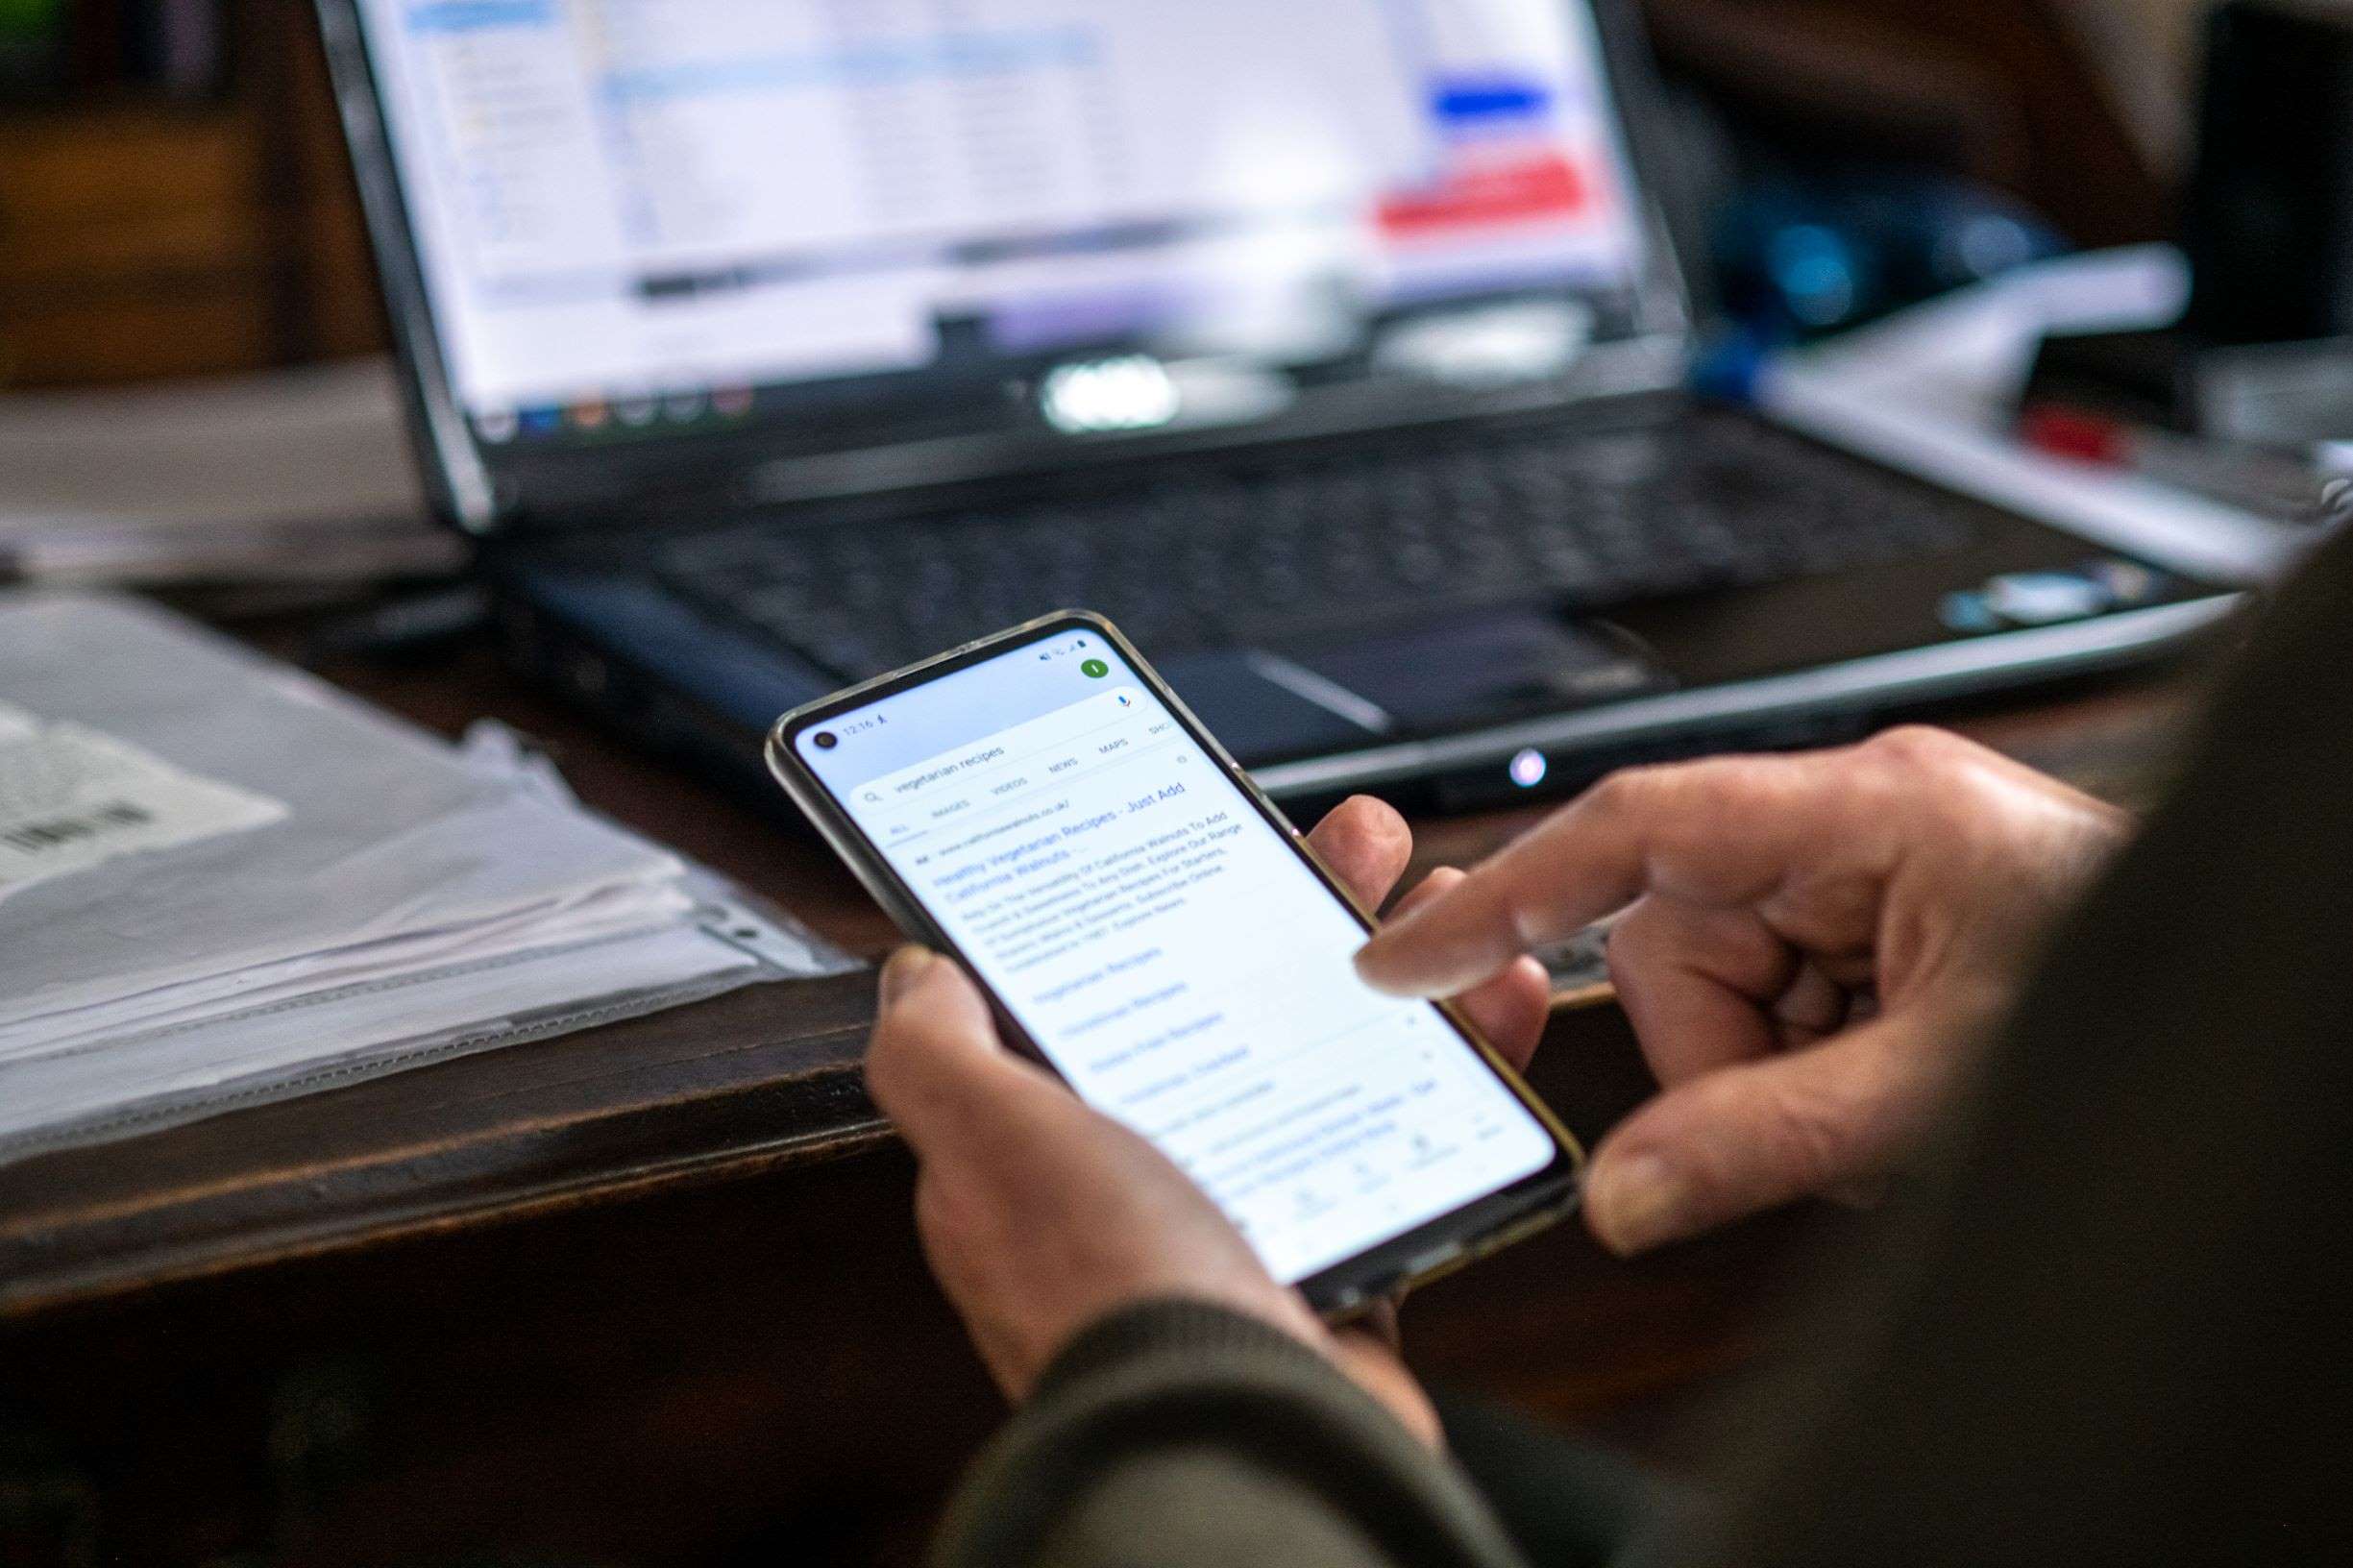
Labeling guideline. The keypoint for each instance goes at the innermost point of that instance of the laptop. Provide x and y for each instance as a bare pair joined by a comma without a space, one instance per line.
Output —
1335,349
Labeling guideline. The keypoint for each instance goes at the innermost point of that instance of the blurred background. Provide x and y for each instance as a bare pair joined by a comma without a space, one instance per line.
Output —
175,201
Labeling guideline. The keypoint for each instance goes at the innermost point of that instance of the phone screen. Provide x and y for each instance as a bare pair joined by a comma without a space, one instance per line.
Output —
1169,951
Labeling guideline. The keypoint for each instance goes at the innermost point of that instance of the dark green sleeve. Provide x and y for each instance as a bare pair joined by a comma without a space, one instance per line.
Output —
1179,1435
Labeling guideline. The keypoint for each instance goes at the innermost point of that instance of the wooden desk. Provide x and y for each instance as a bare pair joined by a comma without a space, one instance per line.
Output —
321,1331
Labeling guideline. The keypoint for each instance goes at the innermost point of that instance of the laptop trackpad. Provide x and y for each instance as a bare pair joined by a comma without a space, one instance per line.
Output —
1462,668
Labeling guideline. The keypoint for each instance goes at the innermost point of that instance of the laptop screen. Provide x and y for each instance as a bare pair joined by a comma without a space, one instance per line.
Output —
642,218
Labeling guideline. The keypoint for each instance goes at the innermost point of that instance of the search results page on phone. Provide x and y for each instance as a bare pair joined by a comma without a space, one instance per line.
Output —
1169,952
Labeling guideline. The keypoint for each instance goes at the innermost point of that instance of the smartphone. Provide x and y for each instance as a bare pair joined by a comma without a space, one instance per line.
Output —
1147,923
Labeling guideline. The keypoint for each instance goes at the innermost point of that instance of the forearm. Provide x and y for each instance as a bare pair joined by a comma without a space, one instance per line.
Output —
1179,1434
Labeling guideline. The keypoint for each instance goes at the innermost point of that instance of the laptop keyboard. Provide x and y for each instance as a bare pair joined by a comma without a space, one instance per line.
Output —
1579,518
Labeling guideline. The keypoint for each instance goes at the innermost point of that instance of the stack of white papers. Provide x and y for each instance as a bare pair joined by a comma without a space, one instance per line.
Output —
222,881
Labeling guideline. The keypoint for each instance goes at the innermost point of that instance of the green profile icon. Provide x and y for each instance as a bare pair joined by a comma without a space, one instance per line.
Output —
1094,668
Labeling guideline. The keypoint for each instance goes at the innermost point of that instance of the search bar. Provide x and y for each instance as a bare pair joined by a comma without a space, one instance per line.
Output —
980,766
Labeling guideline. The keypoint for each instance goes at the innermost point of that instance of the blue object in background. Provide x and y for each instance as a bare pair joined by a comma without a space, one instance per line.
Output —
1800,254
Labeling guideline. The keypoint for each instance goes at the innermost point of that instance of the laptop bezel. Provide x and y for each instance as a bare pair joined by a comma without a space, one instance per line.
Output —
484,495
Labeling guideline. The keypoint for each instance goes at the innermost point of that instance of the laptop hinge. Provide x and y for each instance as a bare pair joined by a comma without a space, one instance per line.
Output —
862,486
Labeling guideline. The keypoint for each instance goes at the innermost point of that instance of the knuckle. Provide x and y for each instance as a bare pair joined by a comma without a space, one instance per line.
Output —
1814,1138
1629,941
1622,793
1918,747
1764,1148
1441,881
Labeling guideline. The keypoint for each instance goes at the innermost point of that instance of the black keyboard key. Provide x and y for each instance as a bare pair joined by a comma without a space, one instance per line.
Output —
1208,557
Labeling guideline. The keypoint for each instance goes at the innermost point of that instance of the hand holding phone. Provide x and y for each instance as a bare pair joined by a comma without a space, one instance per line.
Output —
1145,924
1040,1216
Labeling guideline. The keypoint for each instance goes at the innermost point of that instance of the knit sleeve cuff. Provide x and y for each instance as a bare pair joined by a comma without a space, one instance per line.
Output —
1178,1325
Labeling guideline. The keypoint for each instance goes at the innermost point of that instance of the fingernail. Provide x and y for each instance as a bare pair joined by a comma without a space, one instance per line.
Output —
1377,969
1380,940
1635,1203
1368,969
903,969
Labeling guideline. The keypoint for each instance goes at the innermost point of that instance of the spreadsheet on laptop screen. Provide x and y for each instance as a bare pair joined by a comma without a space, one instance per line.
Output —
641,207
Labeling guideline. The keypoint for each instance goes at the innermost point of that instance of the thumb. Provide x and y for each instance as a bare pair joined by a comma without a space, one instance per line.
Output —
1744,1138
936,1064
